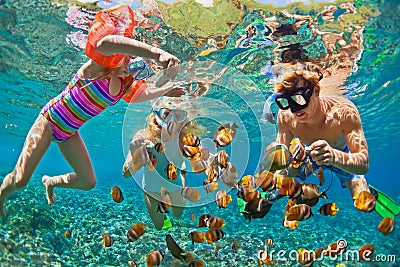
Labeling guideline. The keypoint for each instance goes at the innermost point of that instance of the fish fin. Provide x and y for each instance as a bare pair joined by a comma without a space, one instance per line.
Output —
323,194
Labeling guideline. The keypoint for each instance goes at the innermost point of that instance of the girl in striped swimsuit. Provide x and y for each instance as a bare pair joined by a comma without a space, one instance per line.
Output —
93,89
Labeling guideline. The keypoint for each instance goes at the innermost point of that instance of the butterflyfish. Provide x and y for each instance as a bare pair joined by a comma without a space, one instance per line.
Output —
266,180
116,194
222,199
170,171
107,240
329,209
135,232
190,193
386,226
197,237
67,234
364,201
154,259
213,235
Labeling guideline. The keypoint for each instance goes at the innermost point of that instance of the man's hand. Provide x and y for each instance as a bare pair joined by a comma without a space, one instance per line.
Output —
322,153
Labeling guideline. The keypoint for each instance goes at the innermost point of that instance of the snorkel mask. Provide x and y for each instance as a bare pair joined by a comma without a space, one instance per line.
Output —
139,69
169,119
295,99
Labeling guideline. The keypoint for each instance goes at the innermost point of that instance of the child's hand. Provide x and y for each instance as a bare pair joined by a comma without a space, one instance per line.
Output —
176,91
170,64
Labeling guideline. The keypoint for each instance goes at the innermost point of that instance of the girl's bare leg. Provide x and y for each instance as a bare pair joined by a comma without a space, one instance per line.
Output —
83,177
36,144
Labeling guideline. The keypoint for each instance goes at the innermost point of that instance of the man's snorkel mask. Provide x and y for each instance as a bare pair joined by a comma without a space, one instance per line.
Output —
295,99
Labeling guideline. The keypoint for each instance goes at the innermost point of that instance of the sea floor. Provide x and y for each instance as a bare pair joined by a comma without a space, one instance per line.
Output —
33,234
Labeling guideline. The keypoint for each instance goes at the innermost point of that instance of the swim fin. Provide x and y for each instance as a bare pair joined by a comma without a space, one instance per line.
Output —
167,222
384,206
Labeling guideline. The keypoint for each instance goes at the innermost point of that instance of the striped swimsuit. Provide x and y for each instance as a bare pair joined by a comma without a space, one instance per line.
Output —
80,101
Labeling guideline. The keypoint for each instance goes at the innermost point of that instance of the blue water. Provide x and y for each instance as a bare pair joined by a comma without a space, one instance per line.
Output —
36,64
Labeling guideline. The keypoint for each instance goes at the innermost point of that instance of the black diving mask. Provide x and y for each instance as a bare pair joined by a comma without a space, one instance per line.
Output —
295,99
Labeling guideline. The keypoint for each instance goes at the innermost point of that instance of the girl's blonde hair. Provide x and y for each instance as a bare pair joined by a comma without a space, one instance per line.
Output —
153,130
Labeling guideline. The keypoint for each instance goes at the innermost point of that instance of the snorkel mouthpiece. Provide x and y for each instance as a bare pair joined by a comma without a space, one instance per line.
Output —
267,114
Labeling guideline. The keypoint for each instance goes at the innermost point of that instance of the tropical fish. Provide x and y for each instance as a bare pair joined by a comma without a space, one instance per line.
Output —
222,158
202,220
228,175
132,264
386,226
290,224
191,152
107,240
197,237
269,243
153,162
364,201
222,199
288,186
329,209
257,208
159,147
310,195
318,253
305,257
247,180
135,232
235,246
67,234
190,193
212,175
191,139
214,222
276,157
192,217
154,259
225,134
266,180
297,150
165,202
140,158
299,212
199,165
217,248
176,250
321,177
210,187
170,171
196,263
336,248
365,252
264,257
213,235
116,194
248,193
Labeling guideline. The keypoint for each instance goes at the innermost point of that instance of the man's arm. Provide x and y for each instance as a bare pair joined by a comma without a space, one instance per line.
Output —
357,161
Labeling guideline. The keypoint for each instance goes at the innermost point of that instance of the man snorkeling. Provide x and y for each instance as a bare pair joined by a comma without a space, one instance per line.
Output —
331,133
